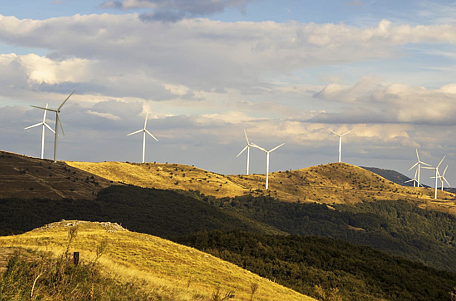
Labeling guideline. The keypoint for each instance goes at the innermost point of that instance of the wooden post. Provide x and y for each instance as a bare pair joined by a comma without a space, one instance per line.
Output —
76,258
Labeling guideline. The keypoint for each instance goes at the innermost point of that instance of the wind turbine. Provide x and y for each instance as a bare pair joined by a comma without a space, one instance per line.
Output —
418,164
57,121
144,130
44,125
415,181
436,174
267,159
442,177
248,150
340,143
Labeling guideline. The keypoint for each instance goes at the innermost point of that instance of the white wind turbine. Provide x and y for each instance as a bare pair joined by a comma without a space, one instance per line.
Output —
442,177
144,130
418,167
57,121
415,181
44,125
267,159
436,174
340,142
248,150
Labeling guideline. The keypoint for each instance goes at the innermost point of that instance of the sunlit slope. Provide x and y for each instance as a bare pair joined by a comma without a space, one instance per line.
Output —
164,176
131,256
26,178
329,183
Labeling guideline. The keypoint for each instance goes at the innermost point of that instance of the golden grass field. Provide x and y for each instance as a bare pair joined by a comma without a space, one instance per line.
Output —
158,264
335,183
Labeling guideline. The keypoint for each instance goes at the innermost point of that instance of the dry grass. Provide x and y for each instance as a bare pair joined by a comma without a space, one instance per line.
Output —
183,272
336,183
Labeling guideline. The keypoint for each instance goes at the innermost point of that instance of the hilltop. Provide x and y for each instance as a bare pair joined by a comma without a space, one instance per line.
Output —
335,183
181,272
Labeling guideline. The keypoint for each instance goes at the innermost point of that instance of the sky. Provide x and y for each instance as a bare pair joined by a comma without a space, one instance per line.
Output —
287,71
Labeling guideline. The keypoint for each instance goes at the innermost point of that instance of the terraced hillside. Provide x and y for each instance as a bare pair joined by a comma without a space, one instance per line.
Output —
183,272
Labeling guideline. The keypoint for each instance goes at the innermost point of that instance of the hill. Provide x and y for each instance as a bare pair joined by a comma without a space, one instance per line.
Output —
327,267
183,273
335,183
27,178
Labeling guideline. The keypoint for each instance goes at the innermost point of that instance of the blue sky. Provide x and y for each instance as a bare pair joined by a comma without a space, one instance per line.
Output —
286,71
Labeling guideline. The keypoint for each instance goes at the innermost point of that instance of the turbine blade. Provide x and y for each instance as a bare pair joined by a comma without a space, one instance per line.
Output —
46,109
444,171
417,156
32,126
242,151
151,135
247,139
410,180
334,133
49,127
259,147
145,121
430,167
138,131
60,123
276,147
446,181
414,165
347,133
420,162
58,109
441,161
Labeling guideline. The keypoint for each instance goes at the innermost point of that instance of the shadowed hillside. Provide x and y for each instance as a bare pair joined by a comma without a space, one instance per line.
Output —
26,178
159,265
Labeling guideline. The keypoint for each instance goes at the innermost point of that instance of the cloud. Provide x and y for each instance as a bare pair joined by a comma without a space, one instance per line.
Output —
172,11
372,101
121,56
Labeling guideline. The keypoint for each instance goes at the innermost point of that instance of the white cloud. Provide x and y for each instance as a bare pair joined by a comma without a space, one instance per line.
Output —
371,100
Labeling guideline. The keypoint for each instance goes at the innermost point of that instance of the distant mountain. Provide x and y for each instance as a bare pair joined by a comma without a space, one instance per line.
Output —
391,175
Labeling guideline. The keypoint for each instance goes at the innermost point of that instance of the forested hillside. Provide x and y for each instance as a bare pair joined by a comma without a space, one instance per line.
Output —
327,267
396,227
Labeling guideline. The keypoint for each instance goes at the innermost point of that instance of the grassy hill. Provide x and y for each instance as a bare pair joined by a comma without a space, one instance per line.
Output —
27,178
335,183
173,271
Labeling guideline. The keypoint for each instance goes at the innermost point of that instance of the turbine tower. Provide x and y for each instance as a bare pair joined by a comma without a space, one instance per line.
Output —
418,167
340,143
437,175
57,122
248,150
144,130
267,159
44,125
